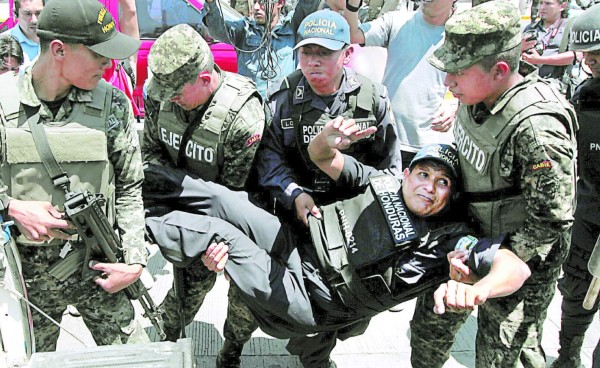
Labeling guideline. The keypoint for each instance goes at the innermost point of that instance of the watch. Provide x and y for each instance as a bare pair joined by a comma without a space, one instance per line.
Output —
351,8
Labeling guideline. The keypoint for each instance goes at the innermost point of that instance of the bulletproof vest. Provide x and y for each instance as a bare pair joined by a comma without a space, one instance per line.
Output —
587,105
308,122
359,242
79,145
203,153
496,202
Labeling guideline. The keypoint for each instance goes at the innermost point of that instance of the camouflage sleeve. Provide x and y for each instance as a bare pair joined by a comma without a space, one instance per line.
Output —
124,153
152,148
241,143
543,158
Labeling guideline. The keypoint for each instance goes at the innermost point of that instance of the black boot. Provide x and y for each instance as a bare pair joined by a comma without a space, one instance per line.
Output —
569,354
230,355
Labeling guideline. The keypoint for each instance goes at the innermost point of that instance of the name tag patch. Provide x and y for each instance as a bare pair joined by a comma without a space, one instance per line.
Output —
546,164
287,123
400,224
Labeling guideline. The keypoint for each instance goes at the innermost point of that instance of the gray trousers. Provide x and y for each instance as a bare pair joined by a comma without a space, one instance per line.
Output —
267,260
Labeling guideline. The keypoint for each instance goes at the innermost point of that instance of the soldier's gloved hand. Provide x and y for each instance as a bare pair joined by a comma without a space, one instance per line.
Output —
216,256
457,296
305,205
116,276
38,221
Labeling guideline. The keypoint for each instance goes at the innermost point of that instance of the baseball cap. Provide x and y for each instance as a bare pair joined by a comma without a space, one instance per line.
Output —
324,28
442,153
176,58
86,22
483,30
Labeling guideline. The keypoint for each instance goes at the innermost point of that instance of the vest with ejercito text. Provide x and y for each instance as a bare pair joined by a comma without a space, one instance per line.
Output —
79,145
362,242
496,203
204,150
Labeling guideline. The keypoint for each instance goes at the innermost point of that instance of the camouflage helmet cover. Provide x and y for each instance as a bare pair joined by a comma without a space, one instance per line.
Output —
484,30
176,58
585,33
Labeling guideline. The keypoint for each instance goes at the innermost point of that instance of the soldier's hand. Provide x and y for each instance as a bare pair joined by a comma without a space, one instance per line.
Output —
38,221
116,276
216,256
305,205
444,117
456,296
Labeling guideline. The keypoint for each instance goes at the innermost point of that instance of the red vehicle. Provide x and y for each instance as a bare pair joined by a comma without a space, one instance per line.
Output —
155,17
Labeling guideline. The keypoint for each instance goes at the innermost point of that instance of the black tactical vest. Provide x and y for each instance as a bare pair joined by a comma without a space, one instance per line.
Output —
364,243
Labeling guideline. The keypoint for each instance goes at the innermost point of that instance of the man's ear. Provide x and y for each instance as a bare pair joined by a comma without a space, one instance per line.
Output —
205,76
57,48
501,70
347,54
406,172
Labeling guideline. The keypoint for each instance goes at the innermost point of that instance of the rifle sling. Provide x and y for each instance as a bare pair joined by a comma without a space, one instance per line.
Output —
59,177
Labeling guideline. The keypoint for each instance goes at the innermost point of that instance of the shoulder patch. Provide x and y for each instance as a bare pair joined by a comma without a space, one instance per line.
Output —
287,123
113,122
253,139
546,164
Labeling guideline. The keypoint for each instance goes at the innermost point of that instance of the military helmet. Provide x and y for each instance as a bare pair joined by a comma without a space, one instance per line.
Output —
585,33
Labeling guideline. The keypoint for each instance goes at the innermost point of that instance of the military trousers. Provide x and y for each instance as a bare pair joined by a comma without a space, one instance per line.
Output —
509,330
108,316
165,190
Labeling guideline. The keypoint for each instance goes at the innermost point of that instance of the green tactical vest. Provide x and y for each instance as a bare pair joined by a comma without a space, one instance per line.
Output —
79,145
308,122
204,150
497,203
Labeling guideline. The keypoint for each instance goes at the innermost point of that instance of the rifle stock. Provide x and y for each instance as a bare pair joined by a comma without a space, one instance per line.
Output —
84,210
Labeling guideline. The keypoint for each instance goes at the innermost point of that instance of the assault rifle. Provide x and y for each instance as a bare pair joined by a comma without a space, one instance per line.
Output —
84,210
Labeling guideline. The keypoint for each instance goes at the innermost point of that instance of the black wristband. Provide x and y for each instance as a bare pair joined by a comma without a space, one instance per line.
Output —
351,8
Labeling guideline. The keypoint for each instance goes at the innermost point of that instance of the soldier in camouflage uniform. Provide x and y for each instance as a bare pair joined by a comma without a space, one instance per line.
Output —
208,123
90,131
516,149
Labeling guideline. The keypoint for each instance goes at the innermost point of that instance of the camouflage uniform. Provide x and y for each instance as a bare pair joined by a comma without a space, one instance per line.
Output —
529,162
105,314
239,137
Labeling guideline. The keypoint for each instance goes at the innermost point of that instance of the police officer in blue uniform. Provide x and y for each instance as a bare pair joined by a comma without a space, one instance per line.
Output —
321,90
586,227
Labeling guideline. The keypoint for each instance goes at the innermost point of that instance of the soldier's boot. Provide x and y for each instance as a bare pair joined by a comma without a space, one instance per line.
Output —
569,354
172,334
230,355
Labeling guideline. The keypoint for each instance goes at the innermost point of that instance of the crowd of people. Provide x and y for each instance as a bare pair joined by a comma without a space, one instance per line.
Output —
326,197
